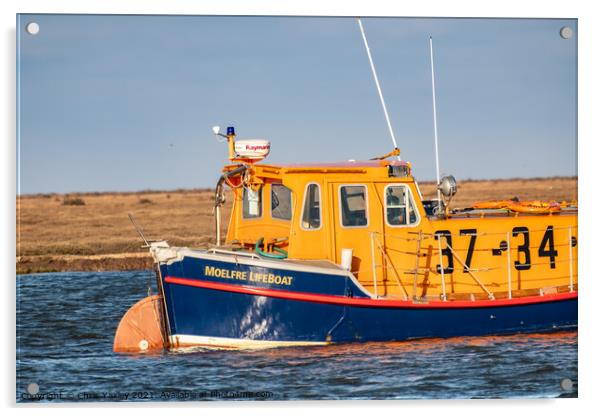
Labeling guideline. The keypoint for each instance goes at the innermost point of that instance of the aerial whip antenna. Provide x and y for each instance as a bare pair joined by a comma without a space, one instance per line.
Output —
435,118
380,94
137,227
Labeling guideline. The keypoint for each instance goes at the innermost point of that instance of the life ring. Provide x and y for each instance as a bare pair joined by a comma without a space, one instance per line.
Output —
535,207
500,204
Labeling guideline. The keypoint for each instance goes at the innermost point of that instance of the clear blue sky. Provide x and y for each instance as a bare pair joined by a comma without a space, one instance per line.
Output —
127,102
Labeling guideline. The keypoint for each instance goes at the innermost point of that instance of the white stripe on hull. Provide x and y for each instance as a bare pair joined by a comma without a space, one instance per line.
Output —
193,341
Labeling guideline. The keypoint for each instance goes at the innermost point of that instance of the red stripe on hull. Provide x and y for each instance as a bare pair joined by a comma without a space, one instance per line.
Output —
363,302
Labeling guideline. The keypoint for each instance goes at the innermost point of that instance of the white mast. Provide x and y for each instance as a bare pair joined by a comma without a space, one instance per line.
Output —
435,117
380,94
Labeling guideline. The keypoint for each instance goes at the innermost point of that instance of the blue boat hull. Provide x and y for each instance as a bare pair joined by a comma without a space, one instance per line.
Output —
205,309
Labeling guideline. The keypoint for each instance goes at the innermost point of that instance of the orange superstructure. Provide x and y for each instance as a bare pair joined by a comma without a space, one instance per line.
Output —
399,249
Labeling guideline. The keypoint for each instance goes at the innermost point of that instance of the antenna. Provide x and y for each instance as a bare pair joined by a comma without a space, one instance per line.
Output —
135,224
435,118
380,94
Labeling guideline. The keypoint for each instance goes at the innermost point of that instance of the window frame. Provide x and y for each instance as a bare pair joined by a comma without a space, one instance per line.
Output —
408,196
272,208
366,202
305,196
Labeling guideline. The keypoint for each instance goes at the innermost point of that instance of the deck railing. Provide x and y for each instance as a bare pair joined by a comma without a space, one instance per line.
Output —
437,252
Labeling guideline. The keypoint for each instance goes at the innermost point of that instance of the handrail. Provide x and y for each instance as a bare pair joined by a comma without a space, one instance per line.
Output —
233,253
388,264
388,259
509,265
415,286
424,234
476,279
220,199
422,270
373,265
570,258
442,269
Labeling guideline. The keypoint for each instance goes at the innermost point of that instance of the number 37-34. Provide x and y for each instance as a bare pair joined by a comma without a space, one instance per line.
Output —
523,247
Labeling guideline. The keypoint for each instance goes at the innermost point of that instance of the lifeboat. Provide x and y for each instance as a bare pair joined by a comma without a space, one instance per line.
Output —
346,252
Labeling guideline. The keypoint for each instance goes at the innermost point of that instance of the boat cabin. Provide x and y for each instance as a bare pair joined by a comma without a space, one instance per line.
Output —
369,217
316,210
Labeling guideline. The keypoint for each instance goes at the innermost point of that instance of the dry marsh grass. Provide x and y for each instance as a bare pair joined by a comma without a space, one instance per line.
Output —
47,227
471,191
52,236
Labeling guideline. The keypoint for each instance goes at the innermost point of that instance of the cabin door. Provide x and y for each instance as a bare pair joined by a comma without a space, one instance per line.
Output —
356,215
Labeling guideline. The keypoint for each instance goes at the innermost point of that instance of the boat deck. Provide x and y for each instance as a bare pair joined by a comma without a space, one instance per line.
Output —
324,264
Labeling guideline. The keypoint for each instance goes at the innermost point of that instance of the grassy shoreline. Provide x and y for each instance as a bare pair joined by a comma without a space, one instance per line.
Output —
91,231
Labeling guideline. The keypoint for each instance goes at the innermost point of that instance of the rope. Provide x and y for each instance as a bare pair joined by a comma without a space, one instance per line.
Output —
460,282
433,235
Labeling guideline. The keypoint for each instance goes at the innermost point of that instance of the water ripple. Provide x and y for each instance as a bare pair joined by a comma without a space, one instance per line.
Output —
66,323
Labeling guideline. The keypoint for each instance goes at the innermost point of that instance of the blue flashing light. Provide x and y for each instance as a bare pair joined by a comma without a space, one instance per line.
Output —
230,131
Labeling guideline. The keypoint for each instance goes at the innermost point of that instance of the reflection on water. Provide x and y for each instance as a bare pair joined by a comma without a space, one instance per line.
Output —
66,323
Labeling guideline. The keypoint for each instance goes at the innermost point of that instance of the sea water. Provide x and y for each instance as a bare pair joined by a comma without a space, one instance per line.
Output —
66,323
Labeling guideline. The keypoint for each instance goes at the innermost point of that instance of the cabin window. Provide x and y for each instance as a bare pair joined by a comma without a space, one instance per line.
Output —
400,207
251,203
281,202
353,206
312,216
